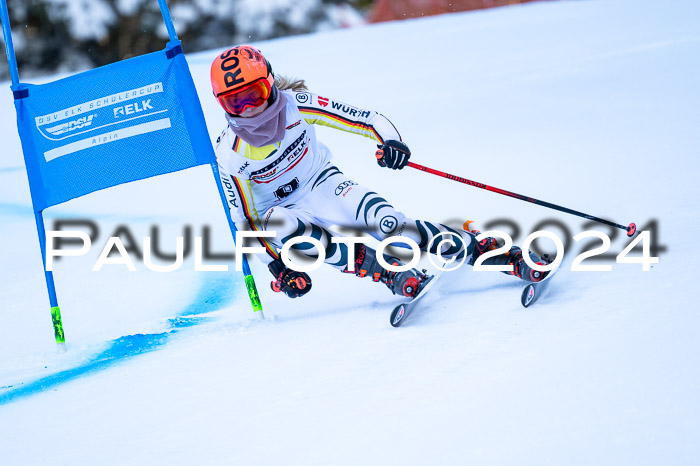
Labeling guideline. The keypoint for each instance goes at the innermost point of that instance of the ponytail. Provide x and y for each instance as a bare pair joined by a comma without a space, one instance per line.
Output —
284,83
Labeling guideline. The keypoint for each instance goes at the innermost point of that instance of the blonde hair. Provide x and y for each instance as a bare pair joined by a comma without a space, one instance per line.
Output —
283,83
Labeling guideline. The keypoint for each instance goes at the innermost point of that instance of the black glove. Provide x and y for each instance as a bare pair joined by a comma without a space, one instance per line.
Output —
288,281
393,154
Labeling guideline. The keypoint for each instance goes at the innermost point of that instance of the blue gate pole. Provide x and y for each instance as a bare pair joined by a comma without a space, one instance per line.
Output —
248,276
168,20
50,286
38,217
9,46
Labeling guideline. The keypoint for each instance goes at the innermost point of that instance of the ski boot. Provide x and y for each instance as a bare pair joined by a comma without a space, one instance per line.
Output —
520,267
521,270
513,257
480,247
406,283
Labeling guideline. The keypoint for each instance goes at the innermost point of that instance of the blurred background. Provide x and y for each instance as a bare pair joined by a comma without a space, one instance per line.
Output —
67,35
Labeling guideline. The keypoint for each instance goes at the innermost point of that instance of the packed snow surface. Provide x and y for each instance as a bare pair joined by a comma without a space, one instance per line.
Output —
588,104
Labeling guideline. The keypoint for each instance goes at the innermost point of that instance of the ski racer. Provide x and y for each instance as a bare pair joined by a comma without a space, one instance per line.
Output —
279,177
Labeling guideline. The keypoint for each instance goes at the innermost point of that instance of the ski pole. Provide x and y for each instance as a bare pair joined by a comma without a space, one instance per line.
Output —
631,229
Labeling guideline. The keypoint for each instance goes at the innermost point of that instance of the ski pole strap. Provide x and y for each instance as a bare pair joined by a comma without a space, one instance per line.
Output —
631,229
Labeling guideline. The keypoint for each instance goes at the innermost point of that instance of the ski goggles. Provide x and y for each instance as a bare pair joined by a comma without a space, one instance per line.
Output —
253,95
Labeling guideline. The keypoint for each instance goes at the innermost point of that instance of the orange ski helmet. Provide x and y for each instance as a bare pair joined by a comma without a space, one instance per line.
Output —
242,70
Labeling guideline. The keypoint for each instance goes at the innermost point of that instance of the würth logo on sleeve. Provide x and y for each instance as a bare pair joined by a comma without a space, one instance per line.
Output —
322,101
352,111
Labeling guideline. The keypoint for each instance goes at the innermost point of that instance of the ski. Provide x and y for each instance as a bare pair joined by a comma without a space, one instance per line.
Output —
400,312
533,291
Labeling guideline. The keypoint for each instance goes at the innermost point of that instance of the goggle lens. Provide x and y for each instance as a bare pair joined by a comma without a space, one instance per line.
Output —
252,96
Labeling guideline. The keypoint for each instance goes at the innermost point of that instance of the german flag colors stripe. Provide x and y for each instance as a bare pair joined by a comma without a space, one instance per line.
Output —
343,123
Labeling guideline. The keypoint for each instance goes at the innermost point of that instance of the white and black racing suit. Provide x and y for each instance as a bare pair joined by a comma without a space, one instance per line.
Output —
291,187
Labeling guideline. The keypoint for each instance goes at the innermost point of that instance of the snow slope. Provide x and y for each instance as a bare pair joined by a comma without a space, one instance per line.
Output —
588,104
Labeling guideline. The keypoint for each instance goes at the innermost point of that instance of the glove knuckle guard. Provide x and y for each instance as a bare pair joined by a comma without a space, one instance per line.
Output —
397,146
393,154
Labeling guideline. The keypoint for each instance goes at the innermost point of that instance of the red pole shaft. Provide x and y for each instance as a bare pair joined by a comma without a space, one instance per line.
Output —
630,229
